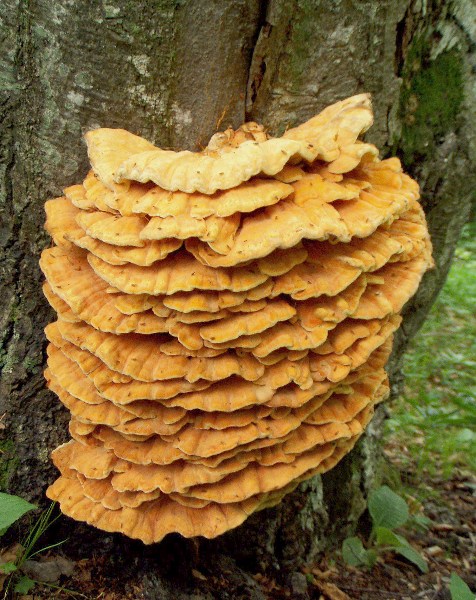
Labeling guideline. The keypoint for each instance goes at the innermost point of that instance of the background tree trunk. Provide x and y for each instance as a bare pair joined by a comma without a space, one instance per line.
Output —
174,71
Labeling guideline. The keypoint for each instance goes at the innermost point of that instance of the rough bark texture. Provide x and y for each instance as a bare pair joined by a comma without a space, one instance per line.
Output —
174,71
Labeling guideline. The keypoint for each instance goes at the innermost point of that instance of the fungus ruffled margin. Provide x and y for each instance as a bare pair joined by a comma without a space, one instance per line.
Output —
224,317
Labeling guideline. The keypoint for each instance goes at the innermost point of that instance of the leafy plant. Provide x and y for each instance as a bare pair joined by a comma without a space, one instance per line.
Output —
388,511
459,590
13,508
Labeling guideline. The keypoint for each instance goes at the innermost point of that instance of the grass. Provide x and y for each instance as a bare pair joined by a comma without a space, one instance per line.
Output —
16,582
436,417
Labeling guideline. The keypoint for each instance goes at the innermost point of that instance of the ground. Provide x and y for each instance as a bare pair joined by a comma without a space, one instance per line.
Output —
431,453
449,544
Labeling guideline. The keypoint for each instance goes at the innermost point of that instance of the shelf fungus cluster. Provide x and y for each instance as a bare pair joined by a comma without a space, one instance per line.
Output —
224,317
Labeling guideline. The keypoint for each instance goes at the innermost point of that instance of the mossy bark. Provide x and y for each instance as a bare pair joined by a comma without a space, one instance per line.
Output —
175,71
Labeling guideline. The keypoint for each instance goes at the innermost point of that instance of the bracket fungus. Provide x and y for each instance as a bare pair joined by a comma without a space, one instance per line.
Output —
224,317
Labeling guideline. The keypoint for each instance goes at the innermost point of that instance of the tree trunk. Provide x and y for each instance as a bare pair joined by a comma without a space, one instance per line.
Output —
174,71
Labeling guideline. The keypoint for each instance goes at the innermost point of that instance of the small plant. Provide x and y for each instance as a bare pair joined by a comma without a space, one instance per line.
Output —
388,511
13,508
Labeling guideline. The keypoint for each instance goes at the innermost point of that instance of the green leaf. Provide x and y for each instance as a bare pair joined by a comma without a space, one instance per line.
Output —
11,509
421,521
413,556
371,558
353,552
387,508
459,590
386,537
24,585
400,545
8,568
355,555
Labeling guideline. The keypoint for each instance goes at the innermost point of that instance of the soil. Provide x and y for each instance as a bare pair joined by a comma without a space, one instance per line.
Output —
121,570
448,545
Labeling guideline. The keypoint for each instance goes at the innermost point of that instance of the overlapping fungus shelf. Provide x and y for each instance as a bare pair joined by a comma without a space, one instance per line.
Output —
224,317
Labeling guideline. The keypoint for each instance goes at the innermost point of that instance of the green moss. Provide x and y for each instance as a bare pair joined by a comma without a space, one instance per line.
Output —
16,313
30,363
8,463
431,99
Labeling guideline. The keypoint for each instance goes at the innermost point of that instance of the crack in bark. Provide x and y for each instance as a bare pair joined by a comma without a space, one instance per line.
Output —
257,67
402,41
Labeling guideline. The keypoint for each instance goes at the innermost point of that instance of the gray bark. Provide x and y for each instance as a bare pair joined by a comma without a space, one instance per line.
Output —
175,71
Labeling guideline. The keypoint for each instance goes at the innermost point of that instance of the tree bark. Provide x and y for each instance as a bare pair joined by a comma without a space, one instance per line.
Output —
174,71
